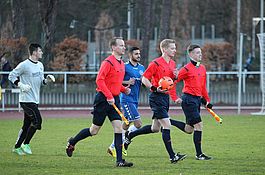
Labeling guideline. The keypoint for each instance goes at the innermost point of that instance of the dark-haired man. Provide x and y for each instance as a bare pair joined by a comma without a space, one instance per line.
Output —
194,91
29,76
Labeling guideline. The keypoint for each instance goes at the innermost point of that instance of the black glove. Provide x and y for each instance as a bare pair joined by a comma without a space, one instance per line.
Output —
209,105
153,89
203,101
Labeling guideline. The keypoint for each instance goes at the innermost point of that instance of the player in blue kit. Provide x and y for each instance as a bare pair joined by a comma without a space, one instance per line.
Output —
133,75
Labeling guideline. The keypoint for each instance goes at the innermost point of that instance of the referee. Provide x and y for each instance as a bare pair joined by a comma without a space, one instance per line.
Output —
194,91
109,85
159,99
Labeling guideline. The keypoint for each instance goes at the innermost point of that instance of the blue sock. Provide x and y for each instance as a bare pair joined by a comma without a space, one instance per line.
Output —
178,124
167,142
144,130
197,137
84,133
118,146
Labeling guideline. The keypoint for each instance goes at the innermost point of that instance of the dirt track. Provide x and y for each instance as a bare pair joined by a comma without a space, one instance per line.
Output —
144,111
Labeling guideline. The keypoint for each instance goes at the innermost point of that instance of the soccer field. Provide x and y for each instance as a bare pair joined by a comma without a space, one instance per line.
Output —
237,147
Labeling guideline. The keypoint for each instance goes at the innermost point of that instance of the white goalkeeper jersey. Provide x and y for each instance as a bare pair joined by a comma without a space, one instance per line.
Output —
31,73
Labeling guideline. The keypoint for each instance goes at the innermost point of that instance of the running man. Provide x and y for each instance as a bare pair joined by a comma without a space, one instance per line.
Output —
159,99
194,93
133,76
29,76
109,85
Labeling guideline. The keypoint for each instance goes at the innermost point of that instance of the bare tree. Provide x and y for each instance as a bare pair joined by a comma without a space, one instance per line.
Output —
146,30
48,13
165,19
18,18
103,33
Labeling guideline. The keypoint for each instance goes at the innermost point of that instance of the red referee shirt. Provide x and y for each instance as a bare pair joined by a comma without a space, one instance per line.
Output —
159,68
110,77
194,79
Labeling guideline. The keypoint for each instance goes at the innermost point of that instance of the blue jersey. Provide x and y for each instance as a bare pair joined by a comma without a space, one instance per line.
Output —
135,72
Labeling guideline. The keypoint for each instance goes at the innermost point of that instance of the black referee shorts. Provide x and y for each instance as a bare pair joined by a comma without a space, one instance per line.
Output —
191,107
103,109
159,103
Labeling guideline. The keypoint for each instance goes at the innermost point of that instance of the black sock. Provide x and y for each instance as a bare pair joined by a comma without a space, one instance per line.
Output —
118,146
30,133
197,137
144,130
167,142
178,124
80,136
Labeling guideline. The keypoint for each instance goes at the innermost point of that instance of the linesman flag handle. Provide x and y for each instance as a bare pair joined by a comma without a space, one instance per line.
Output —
120,113
216,117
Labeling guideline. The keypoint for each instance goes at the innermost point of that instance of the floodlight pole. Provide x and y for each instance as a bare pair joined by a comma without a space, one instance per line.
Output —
240,73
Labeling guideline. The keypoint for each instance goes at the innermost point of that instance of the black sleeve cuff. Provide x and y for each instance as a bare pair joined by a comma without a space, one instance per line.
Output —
16,82
153,89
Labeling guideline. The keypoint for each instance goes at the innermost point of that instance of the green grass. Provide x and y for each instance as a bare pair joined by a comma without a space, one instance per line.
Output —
237,147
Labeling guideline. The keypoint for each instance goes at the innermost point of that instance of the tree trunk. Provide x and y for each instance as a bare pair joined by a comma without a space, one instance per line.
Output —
18,18
165,20
48,13
146,31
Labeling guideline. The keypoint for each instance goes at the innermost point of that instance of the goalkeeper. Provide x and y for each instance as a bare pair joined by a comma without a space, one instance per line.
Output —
29,76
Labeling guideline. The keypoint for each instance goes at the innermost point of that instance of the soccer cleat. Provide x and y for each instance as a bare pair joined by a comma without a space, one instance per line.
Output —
203,157
69,148
26,148
112,151
123,163
127,140
178,157
18,151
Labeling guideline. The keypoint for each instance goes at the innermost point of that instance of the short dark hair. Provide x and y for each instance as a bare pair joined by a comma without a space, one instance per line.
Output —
113,42
33,47
192,47
131,49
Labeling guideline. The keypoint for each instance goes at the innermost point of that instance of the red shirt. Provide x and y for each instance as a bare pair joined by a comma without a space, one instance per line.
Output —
158,69
110,77
194,79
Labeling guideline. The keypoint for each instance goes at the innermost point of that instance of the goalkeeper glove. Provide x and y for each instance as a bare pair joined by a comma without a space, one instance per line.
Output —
24,87
49,78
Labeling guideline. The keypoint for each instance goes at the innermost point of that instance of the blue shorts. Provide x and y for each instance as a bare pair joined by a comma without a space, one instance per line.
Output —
191,108
159,103
130,111
103,109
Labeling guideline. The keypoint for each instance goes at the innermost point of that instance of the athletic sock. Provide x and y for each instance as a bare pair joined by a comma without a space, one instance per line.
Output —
118,146
197,137
30,133
167,142
144,130
178,124
80,136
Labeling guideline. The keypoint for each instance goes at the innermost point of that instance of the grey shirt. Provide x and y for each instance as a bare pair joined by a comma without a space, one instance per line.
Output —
31,73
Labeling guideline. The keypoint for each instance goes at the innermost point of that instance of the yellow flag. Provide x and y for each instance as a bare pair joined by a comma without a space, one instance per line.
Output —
0,93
